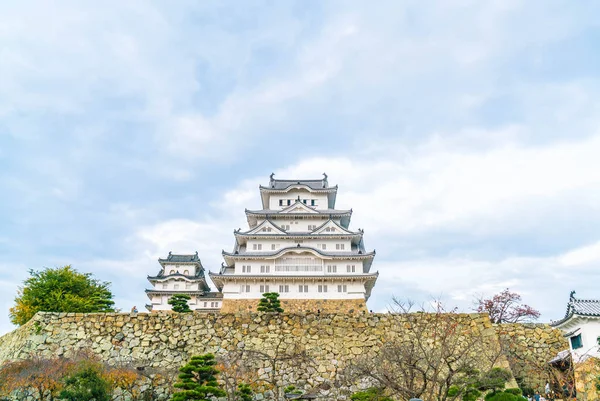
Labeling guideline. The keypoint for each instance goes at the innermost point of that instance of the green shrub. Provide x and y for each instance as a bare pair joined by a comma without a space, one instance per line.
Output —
516,391
502,396
86,384
372,394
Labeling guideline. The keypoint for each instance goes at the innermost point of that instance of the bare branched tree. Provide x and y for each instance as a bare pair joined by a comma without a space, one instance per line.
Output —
277,357
439,350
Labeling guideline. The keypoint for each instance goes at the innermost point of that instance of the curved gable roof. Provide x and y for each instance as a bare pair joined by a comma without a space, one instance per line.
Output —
579,307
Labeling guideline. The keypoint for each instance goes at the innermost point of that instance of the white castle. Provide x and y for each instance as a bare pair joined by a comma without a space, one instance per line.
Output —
298,245
182,274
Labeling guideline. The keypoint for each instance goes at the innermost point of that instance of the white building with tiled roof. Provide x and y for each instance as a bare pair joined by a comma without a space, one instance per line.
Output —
581,326
182,274
300,246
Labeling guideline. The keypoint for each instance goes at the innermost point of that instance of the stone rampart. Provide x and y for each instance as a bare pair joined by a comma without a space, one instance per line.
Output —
302,306
529,347
167,340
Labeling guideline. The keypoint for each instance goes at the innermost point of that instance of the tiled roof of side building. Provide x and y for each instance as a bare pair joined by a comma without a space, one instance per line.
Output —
172,258
580,307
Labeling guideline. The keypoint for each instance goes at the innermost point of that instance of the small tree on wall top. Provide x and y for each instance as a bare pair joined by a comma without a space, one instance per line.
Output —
270,303
197,380
179,303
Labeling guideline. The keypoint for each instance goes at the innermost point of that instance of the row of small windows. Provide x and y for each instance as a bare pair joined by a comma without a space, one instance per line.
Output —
283,288
267,269
259,247
212,304
186,272
176,286
288,202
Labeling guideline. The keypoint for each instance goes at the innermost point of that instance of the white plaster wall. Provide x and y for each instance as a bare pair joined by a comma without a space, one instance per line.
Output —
266,244
301,225
590,331
180,269
341,268
355,290
183,285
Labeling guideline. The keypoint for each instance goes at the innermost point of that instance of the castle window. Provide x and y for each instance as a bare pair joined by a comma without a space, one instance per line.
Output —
186,272
342,288
273,247
172,272
284,288
188,286
322,288
339,247
302,288
311,227
576,341
304,201
264,288
205,304
245,288
351,268
331,269
246,269
265,269
257,247
289,202
280,202
269,229
165,286
312,202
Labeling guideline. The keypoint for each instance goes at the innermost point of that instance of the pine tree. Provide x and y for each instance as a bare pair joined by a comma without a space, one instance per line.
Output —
197,380
270,303
244,392
179,302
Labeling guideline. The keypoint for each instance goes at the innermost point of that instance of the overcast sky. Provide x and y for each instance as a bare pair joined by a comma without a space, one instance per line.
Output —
464,134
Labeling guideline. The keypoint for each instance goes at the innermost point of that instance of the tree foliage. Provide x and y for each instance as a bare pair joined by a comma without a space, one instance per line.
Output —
197,380
87,384
371,394
39,378
61,289
270,303
505,307
244,392
179,303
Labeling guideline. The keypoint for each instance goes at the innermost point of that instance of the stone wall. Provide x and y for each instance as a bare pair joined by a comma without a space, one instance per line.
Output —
299,305
528,348
167,340
587,374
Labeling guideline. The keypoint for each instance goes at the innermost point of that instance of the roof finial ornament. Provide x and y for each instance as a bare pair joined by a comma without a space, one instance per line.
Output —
572,295
324,180
169,253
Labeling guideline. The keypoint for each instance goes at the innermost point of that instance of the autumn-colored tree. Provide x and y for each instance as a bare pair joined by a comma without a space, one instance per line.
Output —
61,289
124,378
38,378
197,380
505,307
179,303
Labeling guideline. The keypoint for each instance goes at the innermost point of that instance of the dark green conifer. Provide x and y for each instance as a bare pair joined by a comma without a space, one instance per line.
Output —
179,302
270,303
197,380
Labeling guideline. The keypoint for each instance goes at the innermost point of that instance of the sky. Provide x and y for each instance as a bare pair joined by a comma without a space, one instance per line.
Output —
465,136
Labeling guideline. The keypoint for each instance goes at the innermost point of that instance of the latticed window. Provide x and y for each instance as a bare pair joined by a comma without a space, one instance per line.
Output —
303,288
322,288
342,288
576,342
298,264
284,288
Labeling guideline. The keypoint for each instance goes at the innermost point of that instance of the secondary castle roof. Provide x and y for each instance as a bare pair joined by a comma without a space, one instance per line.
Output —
579,307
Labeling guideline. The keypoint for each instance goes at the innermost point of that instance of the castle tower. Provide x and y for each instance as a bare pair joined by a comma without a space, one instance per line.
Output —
300,246
182,274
